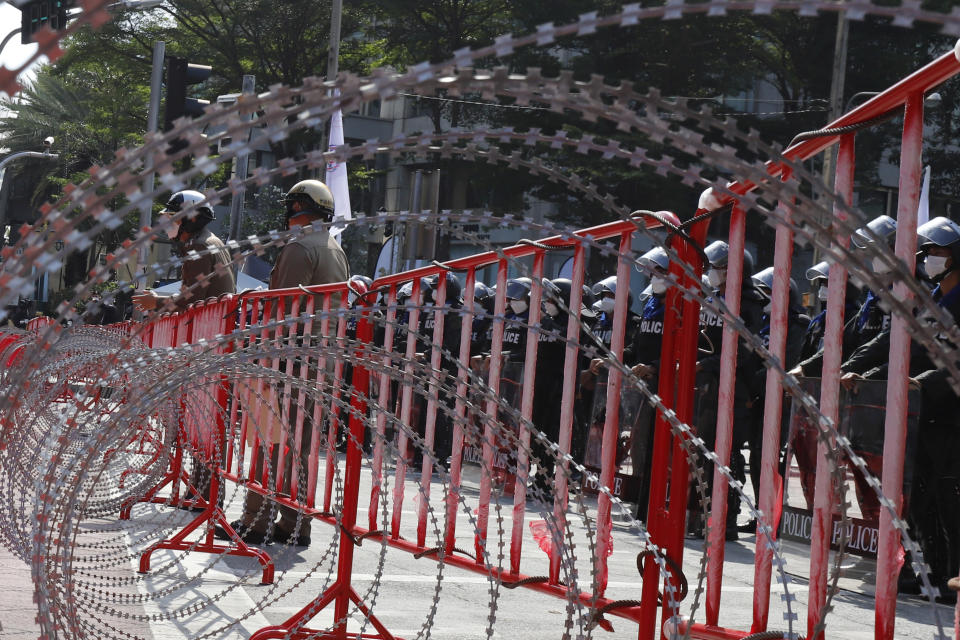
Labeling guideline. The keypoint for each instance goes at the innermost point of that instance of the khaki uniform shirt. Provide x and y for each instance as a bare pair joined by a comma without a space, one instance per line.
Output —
315,258
217,284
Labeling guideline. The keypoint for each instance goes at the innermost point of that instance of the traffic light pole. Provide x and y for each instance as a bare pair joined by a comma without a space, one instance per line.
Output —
146,187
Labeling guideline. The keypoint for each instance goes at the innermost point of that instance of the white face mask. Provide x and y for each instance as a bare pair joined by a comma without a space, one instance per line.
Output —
716,277
768,308
879,266
351,298
822,293
607,304
518,306
433,295
935,265
551,309
658,285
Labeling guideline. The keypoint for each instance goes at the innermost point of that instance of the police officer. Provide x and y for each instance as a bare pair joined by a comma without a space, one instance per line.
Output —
483,307
812,344
208,275
311,259
871,318
935,497
746,389
450,351
648,343
797,324
551,359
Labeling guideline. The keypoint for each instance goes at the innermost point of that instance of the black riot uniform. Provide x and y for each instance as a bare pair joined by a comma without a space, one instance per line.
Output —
548,390
450,351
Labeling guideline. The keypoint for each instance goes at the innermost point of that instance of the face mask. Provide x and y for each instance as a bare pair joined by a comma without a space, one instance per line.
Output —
822,294
879,266
935,265
607,304
658,285
716,277
518,306
351,298
551,309
433,295
768,308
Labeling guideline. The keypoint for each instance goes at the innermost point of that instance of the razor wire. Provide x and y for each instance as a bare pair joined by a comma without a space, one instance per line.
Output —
820,237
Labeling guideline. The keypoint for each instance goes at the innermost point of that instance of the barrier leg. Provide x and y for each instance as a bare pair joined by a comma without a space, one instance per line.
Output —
212,515
173,477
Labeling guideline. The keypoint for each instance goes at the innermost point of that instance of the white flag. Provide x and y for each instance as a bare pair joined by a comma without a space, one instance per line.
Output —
923,209
336,178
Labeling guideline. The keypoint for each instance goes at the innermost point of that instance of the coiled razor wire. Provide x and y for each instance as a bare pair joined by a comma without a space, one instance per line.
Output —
62,466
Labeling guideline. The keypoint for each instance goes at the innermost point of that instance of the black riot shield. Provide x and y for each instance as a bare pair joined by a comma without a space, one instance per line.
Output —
861,421
634,441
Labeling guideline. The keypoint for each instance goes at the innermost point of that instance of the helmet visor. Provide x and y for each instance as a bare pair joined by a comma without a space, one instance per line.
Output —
517,290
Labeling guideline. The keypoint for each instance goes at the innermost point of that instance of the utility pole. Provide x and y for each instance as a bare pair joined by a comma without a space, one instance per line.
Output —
333,58
837,82
242,164
146,186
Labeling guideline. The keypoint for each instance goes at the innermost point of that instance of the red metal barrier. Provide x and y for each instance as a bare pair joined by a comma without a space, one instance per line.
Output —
204,437
907,93
272,325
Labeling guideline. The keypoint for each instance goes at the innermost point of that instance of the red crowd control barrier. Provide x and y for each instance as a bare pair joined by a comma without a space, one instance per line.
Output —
309,371
907,94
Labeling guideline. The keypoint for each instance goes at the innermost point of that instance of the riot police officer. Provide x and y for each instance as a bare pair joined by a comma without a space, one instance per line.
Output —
746,389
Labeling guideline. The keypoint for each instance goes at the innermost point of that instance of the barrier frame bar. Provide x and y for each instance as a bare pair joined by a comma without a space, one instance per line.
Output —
224,312
771,483
667,504
611,425
384,401
406,407
460,412
493,382
526,411
725,417
895,433
567,402
824,489
430,427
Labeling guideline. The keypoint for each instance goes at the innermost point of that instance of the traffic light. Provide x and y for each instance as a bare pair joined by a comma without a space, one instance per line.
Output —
34,14
181,74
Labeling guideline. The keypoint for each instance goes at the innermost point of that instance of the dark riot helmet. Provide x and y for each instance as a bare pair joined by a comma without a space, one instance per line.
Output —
519,288
454,290
819,271
883,228
718,253
559,290
939,232
763,279
656,258
609,285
